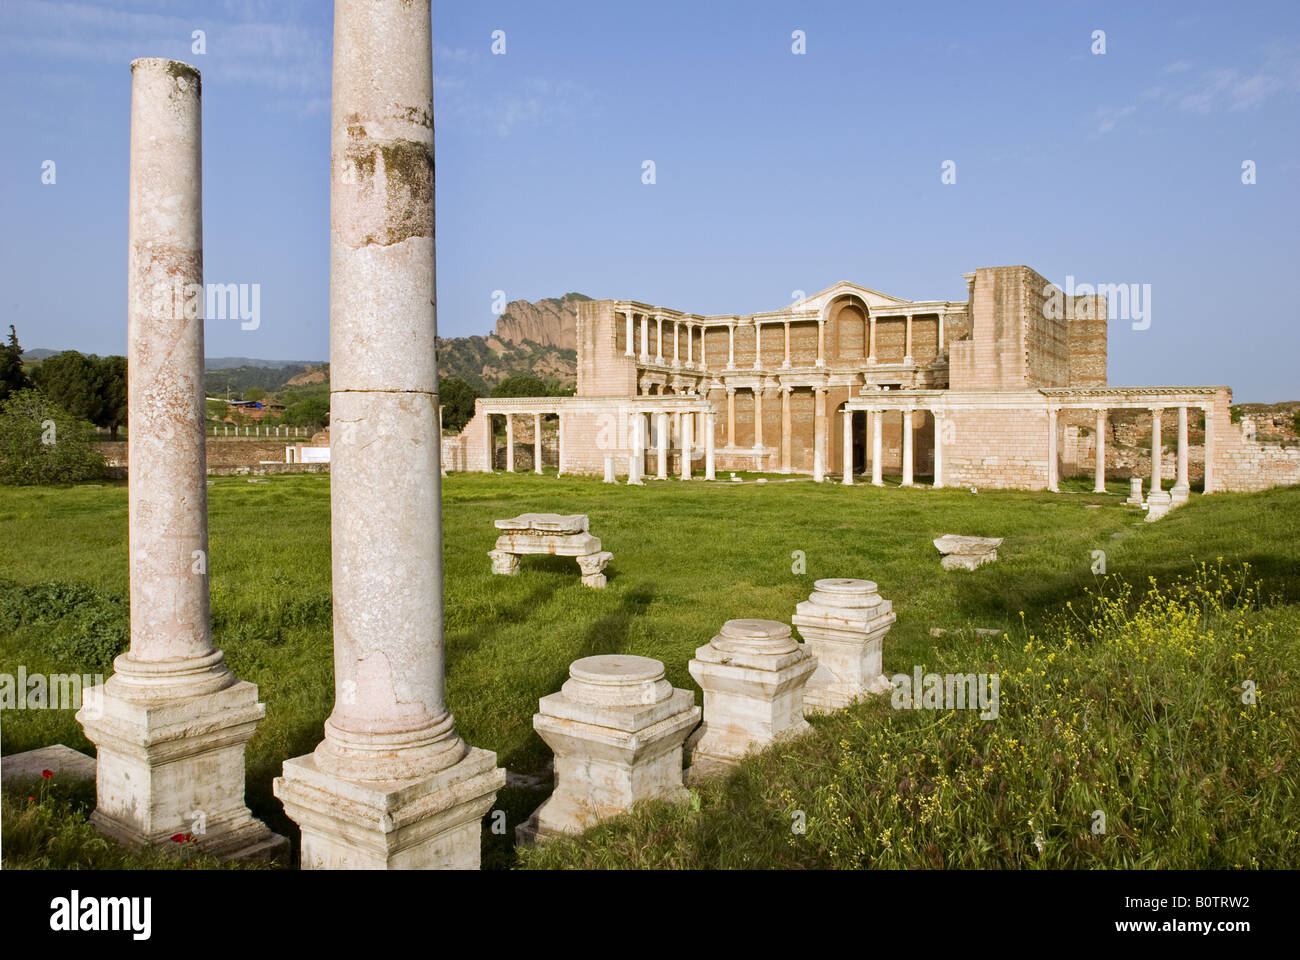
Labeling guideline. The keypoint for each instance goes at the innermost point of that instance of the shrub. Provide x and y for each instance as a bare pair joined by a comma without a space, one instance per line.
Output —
41,443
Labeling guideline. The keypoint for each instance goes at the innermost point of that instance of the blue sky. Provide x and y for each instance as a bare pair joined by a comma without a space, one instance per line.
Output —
775,172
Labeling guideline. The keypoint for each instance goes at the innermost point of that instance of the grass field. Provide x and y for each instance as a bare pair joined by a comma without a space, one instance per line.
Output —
687,557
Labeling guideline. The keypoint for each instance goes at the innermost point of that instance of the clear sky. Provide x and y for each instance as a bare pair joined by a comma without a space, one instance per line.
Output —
774,171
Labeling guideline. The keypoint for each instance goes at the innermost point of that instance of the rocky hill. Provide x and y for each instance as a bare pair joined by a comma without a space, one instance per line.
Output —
548,323
530,338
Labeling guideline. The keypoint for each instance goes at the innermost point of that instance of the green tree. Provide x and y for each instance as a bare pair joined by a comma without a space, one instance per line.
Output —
12,376
520,385
71,380
112,392
457,398
307,412
40,442
255,394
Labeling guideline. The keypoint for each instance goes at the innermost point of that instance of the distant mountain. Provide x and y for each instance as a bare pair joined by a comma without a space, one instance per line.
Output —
530,338
232,363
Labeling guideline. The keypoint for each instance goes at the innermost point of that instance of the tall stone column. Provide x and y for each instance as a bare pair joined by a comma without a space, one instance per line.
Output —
731,346
171,723
1208,486
821,343
1053,465
1157,448
758,344
489,444
690,345
659,340
758,417
710,441
392,785
819,434
907,447
872,352
1182,482
848,447
510,443
631,333
785,364
877,448
731,416
688,439
787,442
1099,471
537,443
704,357
939,416
677,356
907,348
661,443
645,338
940,348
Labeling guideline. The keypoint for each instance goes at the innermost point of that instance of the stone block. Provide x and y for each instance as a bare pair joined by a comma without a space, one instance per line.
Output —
843,624
617,728
753,675
64,762
967,553
1159,503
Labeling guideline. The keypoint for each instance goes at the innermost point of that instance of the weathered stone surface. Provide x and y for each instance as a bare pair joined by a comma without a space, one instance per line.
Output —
551,534
843,624
617,728
753,675
392,785
1135,492
64,762
967,553
1159,503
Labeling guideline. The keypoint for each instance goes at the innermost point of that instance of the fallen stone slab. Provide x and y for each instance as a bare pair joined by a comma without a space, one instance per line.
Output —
549,534
64,762
967,553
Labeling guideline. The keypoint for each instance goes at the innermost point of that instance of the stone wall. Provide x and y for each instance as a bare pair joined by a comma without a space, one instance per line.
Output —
222,454
997,448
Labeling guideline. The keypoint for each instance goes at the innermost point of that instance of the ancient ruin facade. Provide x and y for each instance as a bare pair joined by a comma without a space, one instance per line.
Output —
1006,389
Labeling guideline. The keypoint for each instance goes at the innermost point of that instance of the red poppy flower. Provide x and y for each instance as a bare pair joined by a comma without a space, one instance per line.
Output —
47,774
31,799
178,838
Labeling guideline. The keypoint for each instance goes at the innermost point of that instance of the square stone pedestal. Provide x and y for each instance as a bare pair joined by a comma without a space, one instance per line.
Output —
1134,492
843,624
428,824
1159,503
617,729
168,767
753,674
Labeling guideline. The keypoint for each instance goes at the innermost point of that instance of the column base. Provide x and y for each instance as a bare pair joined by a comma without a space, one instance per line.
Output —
169,767
1180,495
426,824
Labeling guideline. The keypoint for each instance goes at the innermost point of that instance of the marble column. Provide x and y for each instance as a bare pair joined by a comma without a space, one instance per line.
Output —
907,448
636,460
731,346
758,344
787,443
785,364
1182,482
872,352
392,785
821,343
489,444
659,340
704,357
661,445
940,347
819,434
688,440
171,723
710,443
690,344
1099,470
1157,449
510,443
907,349
631,334
758,417
645,338
848,447
939,417
1053,459
1208,486
877,448
731,417
677,356
537,443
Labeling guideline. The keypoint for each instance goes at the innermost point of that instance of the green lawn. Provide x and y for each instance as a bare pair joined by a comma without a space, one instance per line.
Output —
687,556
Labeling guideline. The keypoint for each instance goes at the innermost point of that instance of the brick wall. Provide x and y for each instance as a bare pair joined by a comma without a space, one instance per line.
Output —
995,448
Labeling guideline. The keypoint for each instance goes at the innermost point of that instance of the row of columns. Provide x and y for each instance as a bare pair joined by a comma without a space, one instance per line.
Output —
1182,482
510,442
869,337
877,415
